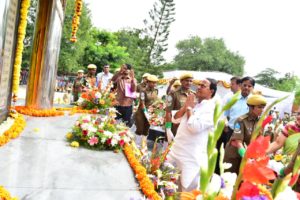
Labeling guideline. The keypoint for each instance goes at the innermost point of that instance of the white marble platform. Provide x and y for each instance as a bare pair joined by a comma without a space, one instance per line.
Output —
40,165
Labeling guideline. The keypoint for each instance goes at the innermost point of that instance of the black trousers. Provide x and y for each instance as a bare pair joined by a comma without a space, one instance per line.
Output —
124,113
225,137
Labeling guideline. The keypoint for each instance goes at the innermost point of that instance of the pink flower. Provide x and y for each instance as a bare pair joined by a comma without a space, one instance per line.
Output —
93,140
122,134
121,142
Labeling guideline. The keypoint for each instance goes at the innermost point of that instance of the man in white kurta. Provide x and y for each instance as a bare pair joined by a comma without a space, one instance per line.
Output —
190,144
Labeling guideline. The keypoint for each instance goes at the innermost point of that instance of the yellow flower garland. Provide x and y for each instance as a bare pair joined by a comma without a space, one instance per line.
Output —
14,131
19,47
4,194
195,82
38,113
76,19
141,174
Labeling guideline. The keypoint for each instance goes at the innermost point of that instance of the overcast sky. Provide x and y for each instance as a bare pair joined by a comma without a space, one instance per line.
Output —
265,32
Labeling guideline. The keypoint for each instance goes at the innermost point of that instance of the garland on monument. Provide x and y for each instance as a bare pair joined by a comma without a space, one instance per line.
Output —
19,48
11,128
37,112
5,195
76,19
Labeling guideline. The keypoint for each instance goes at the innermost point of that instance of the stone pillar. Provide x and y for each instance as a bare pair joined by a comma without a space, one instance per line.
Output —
9,16
45,54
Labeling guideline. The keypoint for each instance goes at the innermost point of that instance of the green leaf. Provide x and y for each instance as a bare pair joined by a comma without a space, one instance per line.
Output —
291,143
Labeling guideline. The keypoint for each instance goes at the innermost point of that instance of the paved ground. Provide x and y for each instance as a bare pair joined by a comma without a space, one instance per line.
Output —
40,165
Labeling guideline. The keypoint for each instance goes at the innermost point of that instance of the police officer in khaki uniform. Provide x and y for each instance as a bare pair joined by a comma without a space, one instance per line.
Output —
243,128
147,97
142,86
175,100
90,79
78,85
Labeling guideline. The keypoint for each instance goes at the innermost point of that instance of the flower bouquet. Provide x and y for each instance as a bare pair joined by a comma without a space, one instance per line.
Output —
96,100
100,133
163,175
157,113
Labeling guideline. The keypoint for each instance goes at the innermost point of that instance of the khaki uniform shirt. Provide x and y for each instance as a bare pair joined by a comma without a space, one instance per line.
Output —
78,85
176,100
141,87
90,82
243,128
150,95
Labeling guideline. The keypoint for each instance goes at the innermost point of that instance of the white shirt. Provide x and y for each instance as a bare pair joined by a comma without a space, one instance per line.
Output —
190,143
104,79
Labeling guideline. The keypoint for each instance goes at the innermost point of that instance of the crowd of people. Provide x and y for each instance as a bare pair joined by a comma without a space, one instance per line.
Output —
189,116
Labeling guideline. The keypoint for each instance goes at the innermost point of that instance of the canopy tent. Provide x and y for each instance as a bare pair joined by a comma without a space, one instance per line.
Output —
223,81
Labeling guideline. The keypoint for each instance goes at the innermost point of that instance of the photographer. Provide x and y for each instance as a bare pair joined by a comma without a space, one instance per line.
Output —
126,92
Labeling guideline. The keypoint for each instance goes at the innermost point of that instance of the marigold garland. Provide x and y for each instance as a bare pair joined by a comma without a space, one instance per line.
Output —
141,174
76,109
5,195
38,113
14,131
76,19
19,47
195,82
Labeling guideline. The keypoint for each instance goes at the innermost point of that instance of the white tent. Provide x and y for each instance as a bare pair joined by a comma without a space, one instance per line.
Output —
270,94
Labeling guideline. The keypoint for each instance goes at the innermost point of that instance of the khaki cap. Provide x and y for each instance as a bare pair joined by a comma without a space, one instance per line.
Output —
256,100
152,78
92,66
186,75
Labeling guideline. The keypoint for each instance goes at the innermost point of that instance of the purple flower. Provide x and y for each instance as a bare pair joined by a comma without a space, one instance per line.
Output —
257,197
222,183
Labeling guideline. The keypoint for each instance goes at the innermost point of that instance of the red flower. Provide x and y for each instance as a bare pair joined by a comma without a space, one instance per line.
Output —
257,171
294,179
267,121
85,132
247,189
258,148
121,142
108,141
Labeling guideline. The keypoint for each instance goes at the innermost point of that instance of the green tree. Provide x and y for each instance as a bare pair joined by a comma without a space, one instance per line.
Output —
267,78
207,55
161,16
136,46
104,49
270,78
288,83
70,59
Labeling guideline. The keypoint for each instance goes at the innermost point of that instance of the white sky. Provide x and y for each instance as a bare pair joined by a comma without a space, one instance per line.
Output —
265,32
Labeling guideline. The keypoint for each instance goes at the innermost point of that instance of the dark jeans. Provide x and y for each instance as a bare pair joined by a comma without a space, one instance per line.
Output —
124,113
225,137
